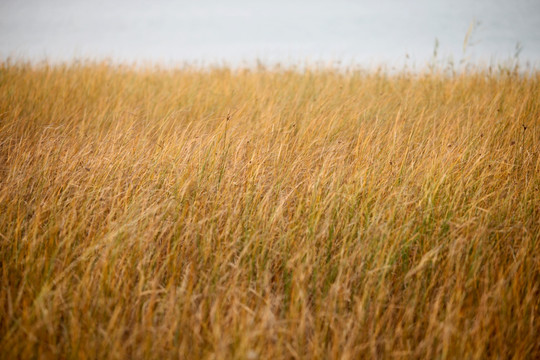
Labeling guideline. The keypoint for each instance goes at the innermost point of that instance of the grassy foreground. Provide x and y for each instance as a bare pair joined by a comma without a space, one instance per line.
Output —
147,213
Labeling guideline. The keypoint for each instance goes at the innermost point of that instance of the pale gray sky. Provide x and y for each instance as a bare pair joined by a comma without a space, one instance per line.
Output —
366,32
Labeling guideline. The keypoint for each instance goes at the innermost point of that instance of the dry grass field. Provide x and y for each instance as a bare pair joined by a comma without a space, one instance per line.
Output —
148,213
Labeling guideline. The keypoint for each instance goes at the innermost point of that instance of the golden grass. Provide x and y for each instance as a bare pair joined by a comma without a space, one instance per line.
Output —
213,213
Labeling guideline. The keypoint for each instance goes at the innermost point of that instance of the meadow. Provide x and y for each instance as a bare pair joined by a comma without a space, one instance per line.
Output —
150,213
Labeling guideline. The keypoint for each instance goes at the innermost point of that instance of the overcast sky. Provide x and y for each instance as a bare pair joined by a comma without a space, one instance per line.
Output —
366,32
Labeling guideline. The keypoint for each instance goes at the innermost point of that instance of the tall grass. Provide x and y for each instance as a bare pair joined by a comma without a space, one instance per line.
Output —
219,213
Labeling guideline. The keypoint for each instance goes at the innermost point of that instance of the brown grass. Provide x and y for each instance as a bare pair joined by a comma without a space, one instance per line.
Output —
149,213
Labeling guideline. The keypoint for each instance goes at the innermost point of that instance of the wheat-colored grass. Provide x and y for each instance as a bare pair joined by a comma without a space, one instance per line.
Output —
273,214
